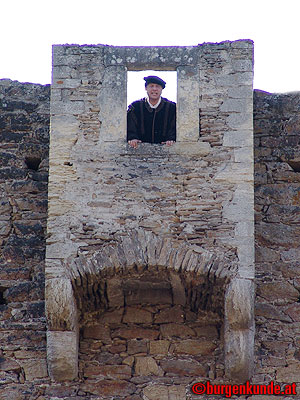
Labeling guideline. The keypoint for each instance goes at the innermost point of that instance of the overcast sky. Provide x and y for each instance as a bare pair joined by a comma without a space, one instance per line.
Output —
28,28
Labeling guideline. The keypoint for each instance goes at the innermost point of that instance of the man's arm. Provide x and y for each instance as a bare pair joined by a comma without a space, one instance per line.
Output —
133,131
171,132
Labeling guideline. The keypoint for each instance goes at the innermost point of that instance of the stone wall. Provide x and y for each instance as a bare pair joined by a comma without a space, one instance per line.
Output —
168,329
277,190
24,147
185,210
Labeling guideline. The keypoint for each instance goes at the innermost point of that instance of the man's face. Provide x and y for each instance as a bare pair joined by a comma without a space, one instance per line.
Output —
154,91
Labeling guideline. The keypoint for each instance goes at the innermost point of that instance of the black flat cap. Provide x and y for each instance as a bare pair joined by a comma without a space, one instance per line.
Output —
154,79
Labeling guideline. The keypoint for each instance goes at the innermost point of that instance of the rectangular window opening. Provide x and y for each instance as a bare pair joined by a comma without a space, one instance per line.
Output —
136,84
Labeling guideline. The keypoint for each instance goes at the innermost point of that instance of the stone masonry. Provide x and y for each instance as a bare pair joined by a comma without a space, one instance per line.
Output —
184,214
149,323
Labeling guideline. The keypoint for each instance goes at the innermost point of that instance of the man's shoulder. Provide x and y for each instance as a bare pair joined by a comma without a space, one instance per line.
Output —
136,103
168,101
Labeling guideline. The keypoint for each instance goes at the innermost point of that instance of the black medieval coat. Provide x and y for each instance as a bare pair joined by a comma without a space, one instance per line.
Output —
151,125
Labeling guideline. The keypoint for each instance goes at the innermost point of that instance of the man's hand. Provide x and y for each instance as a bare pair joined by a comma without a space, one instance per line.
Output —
168,142
134,143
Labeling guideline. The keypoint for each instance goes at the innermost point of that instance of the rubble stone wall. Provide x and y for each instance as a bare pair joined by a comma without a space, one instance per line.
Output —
24,148
277,189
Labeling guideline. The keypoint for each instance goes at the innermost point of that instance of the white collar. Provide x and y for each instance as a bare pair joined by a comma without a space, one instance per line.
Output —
151,105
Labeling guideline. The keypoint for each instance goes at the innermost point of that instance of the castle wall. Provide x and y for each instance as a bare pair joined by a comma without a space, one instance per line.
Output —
24,148
185,209
23,370
277,128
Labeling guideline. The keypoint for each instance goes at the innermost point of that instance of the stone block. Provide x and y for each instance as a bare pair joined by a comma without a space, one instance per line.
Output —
142,292
108,387
116,372
146,366
115,293
239,354
239,303
136,346
238,139
195,347
172,314
34,369
184,368
61,309
98,332
136,333
137,316
176,330
188,106
289,374
62,355
178,290
278,292
207,331
154,392
158,347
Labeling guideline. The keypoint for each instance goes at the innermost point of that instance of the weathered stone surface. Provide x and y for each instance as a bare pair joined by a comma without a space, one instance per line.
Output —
110,388
154,392
195,347
291,373
184,368
174,314
147,366
62,355
278,292
176,330
159,347
34,369
136,333
108,371
101,332
137,346
135,315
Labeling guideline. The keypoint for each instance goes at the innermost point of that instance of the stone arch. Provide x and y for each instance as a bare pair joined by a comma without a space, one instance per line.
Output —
143,252
190,276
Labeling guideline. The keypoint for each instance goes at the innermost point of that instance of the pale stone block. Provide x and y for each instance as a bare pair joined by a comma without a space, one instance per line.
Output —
245,254
61,308
238,78
65,126
188,106
241,207
244,229
237,105
146,366
238,138
235,173
34,369
54,268
113,104
242,65
190,148
240,92
240,120
61,72
62,354
239,355
239,304
244,154
67,108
